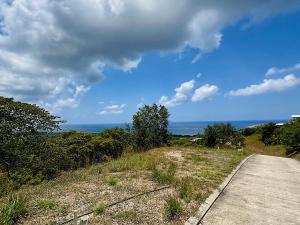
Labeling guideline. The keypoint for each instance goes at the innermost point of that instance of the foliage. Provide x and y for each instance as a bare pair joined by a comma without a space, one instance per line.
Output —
290,136
100,208
24,131
150,127
112,181
267,133
173,208
287,134
122,136
13,209
248,131
222,134
6,185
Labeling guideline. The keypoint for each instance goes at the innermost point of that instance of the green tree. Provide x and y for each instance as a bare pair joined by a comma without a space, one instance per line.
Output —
150,127
24,129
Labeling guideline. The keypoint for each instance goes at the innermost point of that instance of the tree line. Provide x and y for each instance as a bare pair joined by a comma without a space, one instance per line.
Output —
32,148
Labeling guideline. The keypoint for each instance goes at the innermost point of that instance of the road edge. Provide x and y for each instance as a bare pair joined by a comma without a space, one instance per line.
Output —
208,203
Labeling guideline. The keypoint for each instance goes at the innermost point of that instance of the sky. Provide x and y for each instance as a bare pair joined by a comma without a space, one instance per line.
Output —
98,61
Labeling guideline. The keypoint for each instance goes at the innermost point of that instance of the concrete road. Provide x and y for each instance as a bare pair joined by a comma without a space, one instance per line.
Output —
265,191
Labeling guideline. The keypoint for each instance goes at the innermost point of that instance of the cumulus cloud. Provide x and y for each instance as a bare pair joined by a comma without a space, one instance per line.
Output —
67,102
204,92
268,85
277,71
181,95
45,45
112,109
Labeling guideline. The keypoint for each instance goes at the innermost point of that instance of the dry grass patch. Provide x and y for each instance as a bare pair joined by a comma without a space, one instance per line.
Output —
193,173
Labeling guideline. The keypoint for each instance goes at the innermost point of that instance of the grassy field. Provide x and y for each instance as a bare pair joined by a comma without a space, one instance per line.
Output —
192,172
254,144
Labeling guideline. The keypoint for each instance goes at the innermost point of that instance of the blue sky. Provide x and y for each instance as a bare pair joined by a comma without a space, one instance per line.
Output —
215,87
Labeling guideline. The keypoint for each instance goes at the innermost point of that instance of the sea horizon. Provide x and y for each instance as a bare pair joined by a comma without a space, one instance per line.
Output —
175,127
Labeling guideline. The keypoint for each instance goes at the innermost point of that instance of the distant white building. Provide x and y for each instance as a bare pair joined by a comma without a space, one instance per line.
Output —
295,116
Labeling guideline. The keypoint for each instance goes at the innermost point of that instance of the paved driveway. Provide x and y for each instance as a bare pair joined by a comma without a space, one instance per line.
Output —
265,191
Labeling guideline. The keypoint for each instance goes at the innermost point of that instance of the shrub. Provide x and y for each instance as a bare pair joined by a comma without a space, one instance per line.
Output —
290,136
13,209
173,208
248,131
6,185
122,136
267,131
150,127
100,208
222,134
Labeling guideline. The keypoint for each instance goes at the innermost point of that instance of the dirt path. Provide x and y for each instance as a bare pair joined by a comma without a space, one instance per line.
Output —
266,190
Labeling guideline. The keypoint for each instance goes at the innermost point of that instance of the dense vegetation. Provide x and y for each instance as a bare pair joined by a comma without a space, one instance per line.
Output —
222,134
150,127
30,150
287,135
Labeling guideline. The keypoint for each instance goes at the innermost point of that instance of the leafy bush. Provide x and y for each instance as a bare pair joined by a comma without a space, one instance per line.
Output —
267,133
173,208
248,131
150,127
13,209
122,136
290,136
222,134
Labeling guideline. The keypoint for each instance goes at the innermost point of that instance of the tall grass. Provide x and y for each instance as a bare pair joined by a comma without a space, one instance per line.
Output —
173,208
165,177
11,210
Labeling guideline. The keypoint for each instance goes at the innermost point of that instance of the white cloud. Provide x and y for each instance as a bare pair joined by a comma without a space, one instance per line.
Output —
276,71
204,92
199,75
112,109
46,45
141,104
181,95
66,101
268,85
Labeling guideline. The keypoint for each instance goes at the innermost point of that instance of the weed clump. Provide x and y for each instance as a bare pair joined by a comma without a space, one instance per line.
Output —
112,181
165,177
173,208
185,189
46,204
100,208
13,209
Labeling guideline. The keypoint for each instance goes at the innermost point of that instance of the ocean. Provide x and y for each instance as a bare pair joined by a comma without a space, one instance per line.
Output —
178,128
